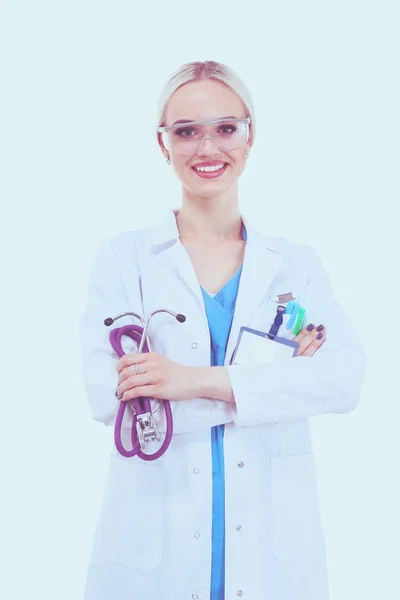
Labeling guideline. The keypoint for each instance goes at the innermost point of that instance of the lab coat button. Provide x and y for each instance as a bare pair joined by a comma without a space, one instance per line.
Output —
197,535
239,593
196,471
238,527
194,345
194,596
240,464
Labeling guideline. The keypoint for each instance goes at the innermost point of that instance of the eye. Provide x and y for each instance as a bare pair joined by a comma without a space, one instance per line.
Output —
227,129
184,132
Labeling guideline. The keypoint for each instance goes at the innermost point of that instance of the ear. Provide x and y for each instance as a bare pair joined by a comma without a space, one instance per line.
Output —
160,143
249,142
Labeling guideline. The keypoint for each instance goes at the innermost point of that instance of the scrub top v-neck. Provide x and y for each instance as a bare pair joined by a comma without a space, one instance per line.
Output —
220,309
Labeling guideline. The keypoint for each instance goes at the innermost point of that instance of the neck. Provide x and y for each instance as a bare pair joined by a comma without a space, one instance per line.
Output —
209,220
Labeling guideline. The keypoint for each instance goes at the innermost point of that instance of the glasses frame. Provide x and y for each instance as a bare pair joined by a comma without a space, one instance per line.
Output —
209,122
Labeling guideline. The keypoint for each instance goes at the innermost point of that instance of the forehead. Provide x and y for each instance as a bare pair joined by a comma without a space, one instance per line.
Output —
202,100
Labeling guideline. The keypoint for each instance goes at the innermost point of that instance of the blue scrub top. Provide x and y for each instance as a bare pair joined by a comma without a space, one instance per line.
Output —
220,309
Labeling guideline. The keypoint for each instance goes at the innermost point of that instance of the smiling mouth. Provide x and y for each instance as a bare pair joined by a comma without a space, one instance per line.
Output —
210,168
210,172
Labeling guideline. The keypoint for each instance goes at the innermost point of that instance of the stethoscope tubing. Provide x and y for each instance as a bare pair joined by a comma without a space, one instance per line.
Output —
140,405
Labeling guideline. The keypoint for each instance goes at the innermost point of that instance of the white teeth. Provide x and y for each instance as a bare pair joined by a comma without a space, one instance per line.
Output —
209,169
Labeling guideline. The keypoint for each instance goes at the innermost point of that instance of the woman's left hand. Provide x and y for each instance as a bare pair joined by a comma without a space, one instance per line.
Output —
159,378
310,339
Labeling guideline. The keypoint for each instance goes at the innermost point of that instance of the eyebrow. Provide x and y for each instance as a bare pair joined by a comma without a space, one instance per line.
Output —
192,121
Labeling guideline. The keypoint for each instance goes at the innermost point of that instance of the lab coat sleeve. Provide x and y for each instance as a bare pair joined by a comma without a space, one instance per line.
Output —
106,297
328,382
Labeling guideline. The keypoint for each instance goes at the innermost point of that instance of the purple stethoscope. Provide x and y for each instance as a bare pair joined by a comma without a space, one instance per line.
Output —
144,428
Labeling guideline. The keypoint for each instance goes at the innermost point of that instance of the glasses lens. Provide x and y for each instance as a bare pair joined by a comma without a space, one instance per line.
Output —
226,135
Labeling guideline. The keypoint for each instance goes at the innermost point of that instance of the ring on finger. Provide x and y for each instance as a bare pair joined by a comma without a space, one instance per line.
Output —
137,369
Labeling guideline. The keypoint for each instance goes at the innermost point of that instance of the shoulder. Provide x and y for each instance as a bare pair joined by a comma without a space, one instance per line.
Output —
126,242
288,250
291,251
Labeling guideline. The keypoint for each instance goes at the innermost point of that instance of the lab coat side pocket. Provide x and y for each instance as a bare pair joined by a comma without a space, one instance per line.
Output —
131,521
296,523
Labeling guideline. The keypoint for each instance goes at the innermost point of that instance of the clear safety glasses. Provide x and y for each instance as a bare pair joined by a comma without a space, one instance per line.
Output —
226,134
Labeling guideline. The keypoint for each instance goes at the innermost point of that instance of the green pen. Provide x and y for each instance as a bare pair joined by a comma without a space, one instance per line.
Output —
299,321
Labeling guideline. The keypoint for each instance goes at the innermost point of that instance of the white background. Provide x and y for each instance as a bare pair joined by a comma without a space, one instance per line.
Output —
79,162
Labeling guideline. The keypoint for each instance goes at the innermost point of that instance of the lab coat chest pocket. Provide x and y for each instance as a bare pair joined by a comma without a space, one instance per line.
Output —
296,523
264,317
130,528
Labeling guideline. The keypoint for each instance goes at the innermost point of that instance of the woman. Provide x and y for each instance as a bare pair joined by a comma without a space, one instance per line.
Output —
231,509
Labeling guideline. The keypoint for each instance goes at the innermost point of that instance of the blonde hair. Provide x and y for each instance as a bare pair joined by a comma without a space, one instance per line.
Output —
209,69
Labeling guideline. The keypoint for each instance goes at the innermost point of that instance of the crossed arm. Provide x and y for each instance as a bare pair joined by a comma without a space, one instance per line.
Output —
257,393
161,377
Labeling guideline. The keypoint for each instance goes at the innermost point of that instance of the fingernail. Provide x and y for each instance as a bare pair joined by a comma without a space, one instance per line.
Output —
320,327
120,396
320,335
310,327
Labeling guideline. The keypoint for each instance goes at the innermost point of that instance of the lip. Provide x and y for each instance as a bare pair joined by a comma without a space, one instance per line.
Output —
211,174
209,163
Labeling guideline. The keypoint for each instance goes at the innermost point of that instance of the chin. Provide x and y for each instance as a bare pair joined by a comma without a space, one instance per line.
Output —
209,191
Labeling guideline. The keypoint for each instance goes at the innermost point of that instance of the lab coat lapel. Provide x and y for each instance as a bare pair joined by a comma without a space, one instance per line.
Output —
180,261
261,264
166,234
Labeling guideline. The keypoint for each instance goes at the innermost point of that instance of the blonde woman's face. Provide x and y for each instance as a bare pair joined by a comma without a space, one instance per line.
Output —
200,101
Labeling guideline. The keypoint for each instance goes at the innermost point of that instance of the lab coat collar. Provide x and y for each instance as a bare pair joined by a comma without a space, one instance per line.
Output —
166,231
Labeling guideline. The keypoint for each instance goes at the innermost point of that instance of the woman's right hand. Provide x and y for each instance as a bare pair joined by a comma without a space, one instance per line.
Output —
310,339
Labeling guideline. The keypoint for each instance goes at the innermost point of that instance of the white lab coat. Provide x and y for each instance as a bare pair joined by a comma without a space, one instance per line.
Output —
153,537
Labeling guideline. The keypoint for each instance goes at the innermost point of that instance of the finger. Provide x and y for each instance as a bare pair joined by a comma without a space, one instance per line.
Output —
311,328
131,359
131,372
306,341
305,331
312,348
143,391
308,335
315,338
133,383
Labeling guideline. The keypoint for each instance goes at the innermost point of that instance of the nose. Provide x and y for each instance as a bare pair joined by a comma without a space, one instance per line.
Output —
207,147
